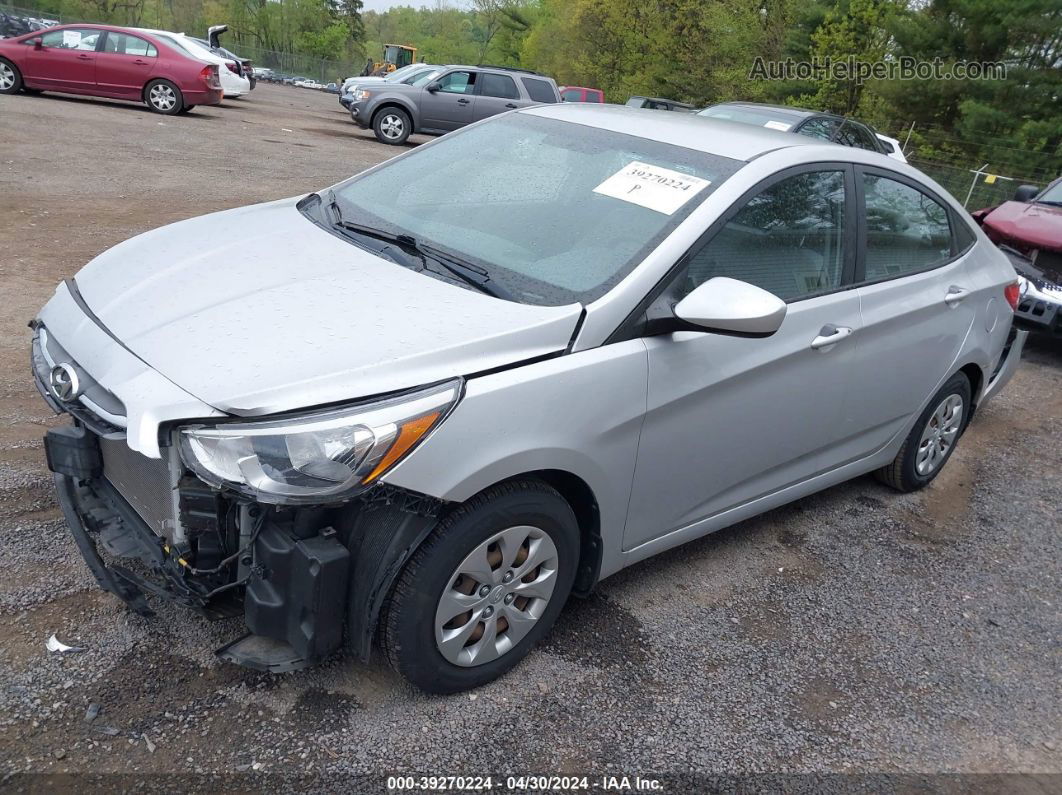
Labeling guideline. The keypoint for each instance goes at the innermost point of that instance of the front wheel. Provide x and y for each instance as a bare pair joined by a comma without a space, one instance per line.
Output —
392,126
483,589
10,77
933,438
164,97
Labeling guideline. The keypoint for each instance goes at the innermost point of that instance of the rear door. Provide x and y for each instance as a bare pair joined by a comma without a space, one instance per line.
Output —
496,93
66,61
452,105
917,299
124,64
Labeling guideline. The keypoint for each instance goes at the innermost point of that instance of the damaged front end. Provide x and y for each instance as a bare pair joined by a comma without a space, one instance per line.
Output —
306,577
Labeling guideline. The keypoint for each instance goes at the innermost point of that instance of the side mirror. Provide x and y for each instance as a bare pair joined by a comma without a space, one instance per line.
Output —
1026,193
732,307
38,43
432,87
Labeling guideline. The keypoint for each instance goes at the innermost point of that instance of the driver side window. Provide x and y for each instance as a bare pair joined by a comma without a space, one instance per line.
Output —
458,83
788,239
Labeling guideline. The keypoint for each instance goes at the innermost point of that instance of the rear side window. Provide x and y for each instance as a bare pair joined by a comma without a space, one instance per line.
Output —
856,135
492,85
788,239
539,90
124,44
572,95
907,231
819,128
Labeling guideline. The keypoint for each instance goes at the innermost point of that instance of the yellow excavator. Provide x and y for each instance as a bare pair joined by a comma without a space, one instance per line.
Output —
395,56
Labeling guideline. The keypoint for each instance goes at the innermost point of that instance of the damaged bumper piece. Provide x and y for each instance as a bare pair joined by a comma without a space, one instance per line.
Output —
306,580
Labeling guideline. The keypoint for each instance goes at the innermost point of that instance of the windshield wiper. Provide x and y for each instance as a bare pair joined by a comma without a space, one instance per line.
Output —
465,271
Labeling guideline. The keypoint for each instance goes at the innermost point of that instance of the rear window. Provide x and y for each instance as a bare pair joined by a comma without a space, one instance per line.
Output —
539,90
761,117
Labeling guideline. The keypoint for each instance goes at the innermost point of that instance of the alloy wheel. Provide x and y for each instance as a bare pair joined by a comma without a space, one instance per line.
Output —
496,596
391,127
939,435
7,77
162,97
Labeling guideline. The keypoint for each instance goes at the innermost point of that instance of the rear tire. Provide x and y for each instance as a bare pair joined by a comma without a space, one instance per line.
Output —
933,438
510,554
163,97
392,126
10,77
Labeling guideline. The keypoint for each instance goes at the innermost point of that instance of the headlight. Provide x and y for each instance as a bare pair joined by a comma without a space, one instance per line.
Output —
321,457
361,95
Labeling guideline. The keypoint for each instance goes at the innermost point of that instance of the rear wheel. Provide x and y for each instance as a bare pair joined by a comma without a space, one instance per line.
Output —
392,126
933,438
483,589
10,77
162,96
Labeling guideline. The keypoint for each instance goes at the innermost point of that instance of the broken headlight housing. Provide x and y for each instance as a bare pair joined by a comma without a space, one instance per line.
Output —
326,456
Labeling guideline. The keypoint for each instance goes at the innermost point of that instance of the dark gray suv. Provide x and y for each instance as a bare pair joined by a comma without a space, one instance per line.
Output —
458,96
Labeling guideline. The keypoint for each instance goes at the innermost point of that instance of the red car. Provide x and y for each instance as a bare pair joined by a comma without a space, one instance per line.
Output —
105,61
1029,230
581,94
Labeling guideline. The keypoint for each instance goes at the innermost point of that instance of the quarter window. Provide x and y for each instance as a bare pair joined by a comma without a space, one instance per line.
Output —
788,239
819,128
539,90
498,86
907,231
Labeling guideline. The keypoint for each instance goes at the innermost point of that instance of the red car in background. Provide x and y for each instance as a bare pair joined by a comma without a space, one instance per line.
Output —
1029,230
106,61
581,94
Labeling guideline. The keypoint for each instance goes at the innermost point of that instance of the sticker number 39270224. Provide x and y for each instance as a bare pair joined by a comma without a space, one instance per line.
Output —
657,188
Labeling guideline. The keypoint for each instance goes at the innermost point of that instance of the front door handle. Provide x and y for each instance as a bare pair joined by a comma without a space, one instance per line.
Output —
462,101
830,335
955,295
85,57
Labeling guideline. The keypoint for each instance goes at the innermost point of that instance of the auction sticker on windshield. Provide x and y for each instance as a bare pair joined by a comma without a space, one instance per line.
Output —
654,187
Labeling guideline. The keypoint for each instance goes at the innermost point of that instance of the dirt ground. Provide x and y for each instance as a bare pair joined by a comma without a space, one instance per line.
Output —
855,631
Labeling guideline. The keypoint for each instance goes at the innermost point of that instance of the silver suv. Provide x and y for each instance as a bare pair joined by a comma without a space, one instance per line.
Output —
458,96
430,403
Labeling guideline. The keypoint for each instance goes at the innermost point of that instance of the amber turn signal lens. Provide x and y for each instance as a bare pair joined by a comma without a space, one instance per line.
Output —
407,437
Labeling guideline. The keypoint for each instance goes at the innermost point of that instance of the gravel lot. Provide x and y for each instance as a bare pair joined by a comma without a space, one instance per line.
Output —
857,630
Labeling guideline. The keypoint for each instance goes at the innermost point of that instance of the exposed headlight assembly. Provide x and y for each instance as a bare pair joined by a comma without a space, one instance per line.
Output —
326,456
362,94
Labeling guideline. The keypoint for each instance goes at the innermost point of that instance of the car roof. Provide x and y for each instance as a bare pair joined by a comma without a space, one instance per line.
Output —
714,136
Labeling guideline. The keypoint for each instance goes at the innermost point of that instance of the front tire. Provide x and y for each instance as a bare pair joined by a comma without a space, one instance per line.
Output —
932,440
483,589
392,126
163,97
10,77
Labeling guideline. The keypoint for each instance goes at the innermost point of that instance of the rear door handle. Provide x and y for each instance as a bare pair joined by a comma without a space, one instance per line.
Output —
462,101
955,295
510,105
85,57
139,62
830,335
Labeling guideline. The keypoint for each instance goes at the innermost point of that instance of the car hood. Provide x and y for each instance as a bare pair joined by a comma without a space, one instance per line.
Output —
1029,224
259,310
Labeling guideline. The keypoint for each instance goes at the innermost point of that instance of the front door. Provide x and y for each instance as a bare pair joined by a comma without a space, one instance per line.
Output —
65,61
124,64
730,419
452,105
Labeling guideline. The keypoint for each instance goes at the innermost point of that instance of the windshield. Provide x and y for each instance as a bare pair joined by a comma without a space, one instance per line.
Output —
761,117
1053,195
402,72
423,77
554,212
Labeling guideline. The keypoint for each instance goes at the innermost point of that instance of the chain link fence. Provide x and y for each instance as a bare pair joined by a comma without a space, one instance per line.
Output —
16,20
